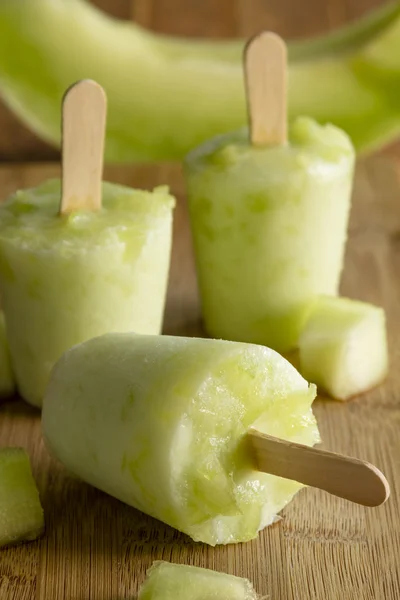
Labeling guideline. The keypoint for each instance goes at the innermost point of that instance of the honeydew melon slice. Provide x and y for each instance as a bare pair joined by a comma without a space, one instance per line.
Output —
343,347
7,385
168,581
21,514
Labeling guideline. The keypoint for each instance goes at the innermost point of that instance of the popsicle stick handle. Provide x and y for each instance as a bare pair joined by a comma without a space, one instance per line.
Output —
265,66
342,476
83,131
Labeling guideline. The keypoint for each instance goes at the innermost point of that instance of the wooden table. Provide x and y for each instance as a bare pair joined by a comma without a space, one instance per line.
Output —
96,548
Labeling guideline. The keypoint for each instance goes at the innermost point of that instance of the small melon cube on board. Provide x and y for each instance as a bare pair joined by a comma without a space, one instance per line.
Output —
21,514
343,347
168,581
7,385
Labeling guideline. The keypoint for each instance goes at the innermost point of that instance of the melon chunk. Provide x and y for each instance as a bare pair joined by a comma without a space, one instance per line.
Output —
343,347
168,581
6,376
21,514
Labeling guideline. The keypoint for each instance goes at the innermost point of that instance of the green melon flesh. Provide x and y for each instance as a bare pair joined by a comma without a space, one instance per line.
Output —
7,385
168,581
21,514
159,422
269,227
168,95
66,279
343,347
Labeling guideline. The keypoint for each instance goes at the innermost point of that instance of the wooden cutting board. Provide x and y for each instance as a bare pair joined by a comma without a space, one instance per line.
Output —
96,548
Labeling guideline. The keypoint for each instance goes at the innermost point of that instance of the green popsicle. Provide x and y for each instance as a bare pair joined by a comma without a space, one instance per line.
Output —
269,227
160,422
269,210
65,279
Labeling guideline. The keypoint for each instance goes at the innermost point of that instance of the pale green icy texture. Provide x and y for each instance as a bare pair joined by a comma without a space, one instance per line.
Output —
159,422
21,514
7,384
269,227
343,347
168,581
66,279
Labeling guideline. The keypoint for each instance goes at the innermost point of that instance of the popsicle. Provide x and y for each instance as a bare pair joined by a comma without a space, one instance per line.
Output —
21,514
343,347
176,427
268,215
96,263
169,581
7,385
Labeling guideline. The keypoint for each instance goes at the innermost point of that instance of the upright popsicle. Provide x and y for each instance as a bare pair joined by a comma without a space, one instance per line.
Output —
96,262
181,428
268,214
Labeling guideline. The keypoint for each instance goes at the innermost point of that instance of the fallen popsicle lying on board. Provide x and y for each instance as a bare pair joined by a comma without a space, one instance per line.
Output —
181,428
169,581
21,514
269,214
95,263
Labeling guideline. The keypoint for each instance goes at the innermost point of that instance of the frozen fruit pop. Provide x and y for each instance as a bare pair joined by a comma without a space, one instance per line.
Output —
157,422
7,385
66,278
169,581
163,424
269,224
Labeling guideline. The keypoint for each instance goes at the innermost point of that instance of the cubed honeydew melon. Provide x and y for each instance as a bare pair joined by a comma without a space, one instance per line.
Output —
7,384
21,514
168,581
343,347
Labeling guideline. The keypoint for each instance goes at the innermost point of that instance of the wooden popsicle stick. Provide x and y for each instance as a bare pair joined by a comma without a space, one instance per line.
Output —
83,131
343,476
265,67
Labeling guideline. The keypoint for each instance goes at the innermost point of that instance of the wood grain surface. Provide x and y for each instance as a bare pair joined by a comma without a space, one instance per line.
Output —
207,18
96,548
